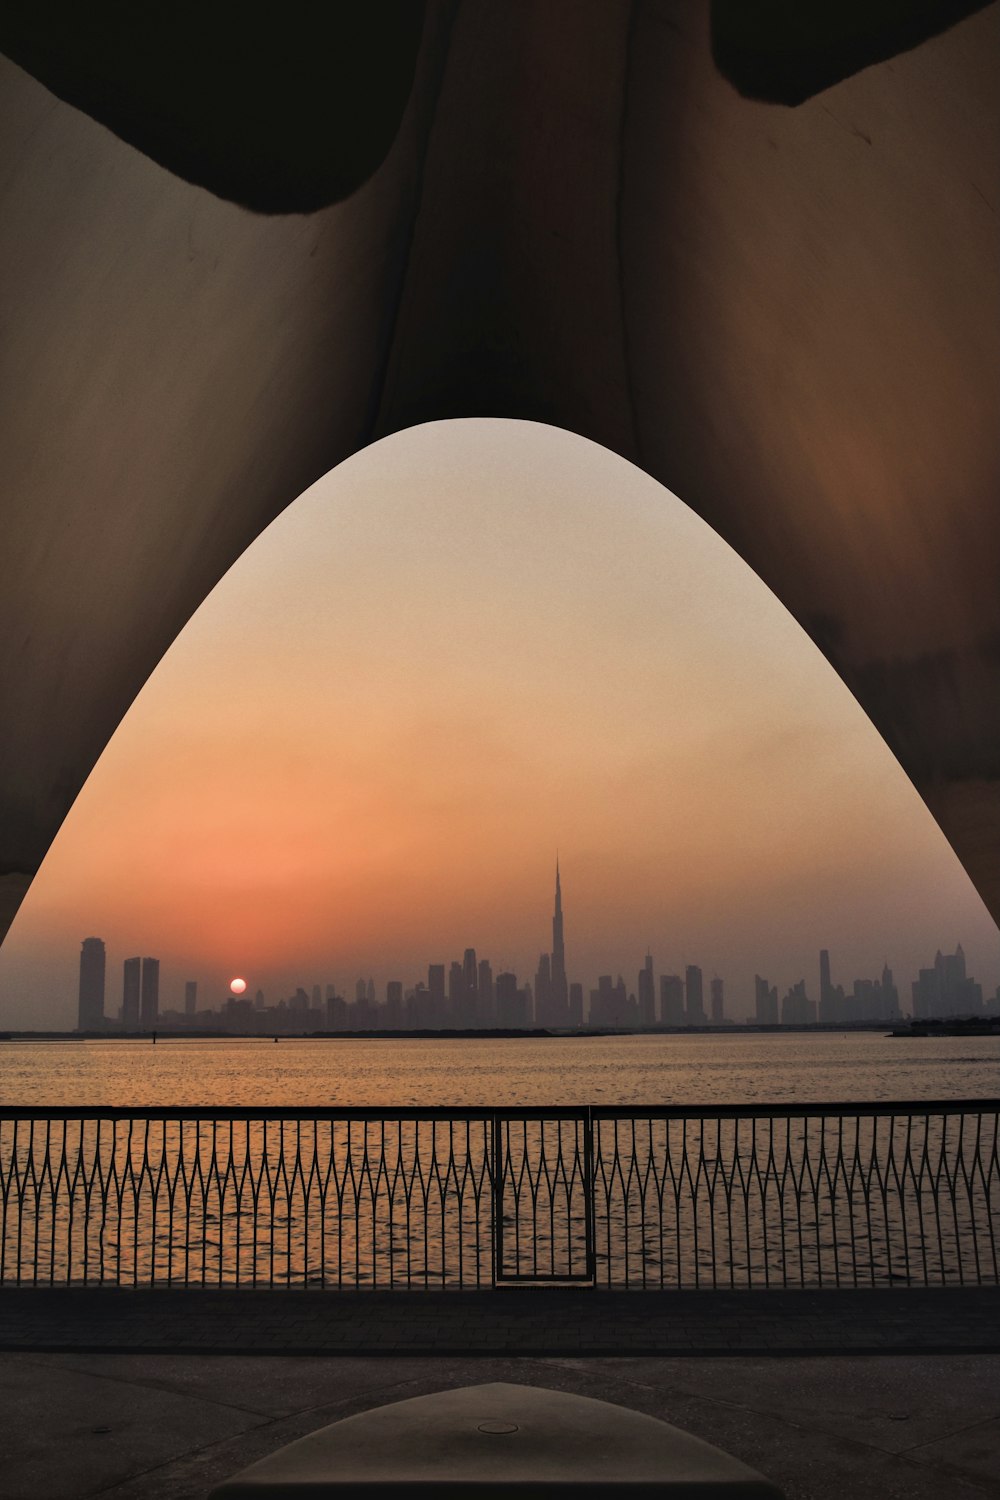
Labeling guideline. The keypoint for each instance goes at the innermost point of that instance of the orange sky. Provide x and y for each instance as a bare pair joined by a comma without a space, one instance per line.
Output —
472,644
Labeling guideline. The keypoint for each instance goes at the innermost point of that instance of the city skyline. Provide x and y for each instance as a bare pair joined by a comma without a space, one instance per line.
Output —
467,994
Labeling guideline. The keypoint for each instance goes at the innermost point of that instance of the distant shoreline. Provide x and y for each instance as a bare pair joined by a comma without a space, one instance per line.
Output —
979,1027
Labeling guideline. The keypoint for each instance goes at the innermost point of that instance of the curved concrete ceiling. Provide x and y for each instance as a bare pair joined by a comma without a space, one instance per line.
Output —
787,315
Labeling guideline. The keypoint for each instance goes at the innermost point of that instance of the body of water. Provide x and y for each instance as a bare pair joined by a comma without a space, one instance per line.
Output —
750,1069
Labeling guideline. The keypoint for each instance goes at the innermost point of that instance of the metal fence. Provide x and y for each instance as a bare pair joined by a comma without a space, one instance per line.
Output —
774,1196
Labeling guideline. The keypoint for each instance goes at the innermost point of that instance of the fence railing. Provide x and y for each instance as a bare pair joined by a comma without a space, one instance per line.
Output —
771,1196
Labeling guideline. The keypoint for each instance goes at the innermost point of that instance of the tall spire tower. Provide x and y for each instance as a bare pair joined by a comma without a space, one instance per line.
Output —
560,990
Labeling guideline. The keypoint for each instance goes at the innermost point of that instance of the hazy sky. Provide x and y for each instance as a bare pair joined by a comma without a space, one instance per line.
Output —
469,646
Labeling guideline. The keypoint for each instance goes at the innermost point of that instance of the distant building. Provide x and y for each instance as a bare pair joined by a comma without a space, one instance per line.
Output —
190,997
833,1006
130,993
694,994
238,1012
560,987
576,1005
551,995
470,988
419,1008
647,993
671,1000
609,1005
456,994
946,991
149,998
432,1004
90,1012
765,1002
365,1011
925,995
874,999
487,1009
543,991
718,1003
512,1003
796,1008
870,999
602,1002
394,1004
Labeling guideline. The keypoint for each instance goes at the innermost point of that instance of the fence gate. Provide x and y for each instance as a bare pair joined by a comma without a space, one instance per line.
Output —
543,1197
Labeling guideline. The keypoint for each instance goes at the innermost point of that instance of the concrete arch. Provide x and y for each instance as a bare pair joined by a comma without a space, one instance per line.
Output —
789,317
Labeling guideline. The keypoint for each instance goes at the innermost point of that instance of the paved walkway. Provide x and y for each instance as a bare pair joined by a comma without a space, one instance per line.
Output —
172,1426
159,1395
549,1321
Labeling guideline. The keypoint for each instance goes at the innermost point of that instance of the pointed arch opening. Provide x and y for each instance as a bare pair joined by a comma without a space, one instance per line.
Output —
470,644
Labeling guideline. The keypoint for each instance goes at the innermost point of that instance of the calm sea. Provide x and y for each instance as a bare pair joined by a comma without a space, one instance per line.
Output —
643,1070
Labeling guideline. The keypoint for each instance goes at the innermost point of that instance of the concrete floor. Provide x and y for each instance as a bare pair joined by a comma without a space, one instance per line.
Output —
170,1426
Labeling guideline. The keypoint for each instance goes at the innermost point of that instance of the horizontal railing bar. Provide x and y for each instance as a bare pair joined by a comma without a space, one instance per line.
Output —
825,1109
851,1110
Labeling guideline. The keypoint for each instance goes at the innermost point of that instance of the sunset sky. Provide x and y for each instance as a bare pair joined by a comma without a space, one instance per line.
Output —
472,645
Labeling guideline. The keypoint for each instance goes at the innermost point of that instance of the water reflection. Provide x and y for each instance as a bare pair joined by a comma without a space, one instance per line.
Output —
696,1069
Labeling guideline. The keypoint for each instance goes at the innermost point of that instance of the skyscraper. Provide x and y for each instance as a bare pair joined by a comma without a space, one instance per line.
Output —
833,1006
130,994
150,993
647,993
718,1003
90,1015
470,984
487,1014
456,994
946,990
559,987
796,1007
695,995
510,1008
434,1007
609,1004
890,994
544,1007
825,985
190,997
576,1005
671,1000
394,1004
765,1002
